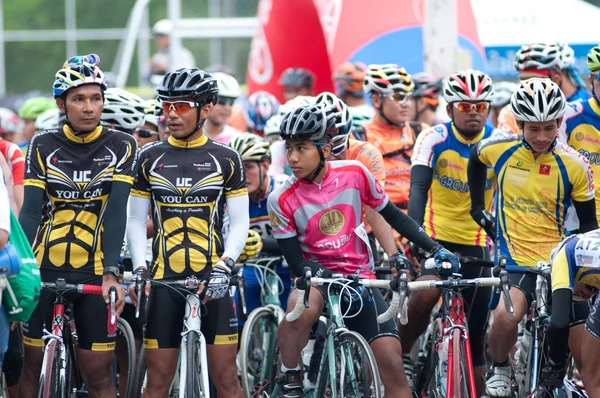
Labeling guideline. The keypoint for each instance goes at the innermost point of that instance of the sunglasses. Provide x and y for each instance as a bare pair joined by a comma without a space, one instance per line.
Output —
145,133
400,98
468,107
226,101
93,59
178,106
596,75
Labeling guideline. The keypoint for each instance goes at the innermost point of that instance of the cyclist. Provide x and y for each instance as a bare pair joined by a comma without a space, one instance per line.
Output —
317,220
13,156
581,126
28,113
425,98
51,119
216,127
148,132
344,148
439,200
502,93
297,81
160,62
256,155
552,61
539,178
575,278
122,110
259,108
77,183
349,78
189,178
10,125
390,89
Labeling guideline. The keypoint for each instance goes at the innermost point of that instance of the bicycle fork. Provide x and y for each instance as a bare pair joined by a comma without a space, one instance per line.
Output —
191,324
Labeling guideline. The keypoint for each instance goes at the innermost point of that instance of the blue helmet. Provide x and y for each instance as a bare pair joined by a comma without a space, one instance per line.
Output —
259,108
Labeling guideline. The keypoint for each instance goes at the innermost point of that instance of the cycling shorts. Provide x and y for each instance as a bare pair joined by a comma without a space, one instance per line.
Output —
526,284
476,298
90,314
592,324
165,319
365,323
13,358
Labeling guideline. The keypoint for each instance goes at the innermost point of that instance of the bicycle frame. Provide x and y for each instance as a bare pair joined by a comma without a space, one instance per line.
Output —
58,317
192,324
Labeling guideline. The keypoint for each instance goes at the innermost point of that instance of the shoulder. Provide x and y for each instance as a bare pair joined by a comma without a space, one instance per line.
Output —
573,109
500,140
46,135
223,150
280,190
119,136
434,135
567,153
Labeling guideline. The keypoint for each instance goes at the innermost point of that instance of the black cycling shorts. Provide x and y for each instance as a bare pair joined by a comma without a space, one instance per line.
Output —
90,314
365,323
476,298
165,319
592,324
526,284
13,358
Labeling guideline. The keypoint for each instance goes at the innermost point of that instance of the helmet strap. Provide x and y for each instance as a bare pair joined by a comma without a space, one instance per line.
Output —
388,121
199,124
321,163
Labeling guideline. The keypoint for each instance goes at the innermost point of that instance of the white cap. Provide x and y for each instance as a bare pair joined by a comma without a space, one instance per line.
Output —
163,27
228,85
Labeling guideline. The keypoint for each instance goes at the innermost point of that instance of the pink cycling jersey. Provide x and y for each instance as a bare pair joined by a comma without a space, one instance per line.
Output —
327,218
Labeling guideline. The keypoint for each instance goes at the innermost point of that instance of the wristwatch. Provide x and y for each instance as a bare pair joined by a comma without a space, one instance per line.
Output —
112,270
228,262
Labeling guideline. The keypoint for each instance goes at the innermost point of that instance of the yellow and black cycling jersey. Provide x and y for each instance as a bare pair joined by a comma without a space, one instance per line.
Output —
534,195
578,260
188,183
76,174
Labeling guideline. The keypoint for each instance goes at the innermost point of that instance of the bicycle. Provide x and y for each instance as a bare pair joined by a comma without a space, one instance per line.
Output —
59,376
346,365
451,376
530,358
192,378
258,345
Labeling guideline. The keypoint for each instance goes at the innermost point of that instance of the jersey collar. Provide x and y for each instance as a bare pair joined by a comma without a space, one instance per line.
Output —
463,140
188,144
82,140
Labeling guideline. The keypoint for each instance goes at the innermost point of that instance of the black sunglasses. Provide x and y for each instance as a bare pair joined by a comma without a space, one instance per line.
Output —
226,101
145,133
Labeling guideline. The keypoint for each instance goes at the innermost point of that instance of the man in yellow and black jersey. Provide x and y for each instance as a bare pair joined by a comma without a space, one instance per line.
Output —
189,179
77,183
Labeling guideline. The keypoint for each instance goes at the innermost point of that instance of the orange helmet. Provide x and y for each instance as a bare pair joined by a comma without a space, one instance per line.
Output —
350,76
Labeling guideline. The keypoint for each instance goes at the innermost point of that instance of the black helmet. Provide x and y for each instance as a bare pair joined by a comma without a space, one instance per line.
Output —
311,122
189,83
297,77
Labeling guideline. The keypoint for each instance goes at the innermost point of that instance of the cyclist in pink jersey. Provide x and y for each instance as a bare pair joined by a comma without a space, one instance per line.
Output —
316,216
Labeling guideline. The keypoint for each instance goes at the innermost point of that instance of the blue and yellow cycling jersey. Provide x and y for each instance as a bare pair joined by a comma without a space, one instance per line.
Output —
581,130
580,95
578,260
446,152
533,195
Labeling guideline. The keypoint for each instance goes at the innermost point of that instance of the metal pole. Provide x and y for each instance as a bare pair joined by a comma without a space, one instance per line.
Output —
2,63
130,39
71,28
143,49
174,13
440,37
215,44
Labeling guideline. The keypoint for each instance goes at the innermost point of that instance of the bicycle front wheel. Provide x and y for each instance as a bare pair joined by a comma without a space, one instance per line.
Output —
193,383
355,373
124,330
52,385
258,359
460,366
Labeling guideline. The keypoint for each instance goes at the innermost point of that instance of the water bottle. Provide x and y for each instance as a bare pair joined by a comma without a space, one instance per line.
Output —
442,350
522,355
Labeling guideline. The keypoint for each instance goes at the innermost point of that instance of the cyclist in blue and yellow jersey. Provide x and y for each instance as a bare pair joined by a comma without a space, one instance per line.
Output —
581,126
77,182
439,200
552,61
189,179
575,278
539,179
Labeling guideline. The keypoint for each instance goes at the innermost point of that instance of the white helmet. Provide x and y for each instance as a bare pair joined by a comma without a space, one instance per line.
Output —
468,85
503,91
123,109
49,120
544,56
343,120
272,126
386,79
9,122
163,27
538,100
228,85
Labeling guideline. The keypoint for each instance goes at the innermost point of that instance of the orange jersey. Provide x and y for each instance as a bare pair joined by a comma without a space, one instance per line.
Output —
396,147
237,119
507,122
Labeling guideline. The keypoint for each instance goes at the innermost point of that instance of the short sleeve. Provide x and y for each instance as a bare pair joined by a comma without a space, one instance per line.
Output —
126,167
281,220
235,183
35,171
371,158
561,278
372,193
4,205
141,186
568,123
583,181
507,122
489,150
424,153
17,164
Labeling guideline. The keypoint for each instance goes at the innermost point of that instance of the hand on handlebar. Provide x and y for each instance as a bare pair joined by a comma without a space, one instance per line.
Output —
446,262
109,281
139,275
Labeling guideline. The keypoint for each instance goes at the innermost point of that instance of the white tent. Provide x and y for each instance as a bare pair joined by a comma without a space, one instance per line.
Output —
514,22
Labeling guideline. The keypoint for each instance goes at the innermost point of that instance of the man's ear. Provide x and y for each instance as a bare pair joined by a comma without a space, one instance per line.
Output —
449,110
376,101
60,102
206,110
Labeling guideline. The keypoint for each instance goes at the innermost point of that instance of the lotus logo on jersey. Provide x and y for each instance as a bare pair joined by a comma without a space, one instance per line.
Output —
275,222
545,169
579,136
331,222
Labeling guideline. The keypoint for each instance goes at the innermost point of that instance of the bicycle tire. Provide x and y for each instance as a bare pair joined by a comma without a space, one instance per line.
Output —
140,375
193,387
428,383
373,388
460,382
261,321
125,330
49,384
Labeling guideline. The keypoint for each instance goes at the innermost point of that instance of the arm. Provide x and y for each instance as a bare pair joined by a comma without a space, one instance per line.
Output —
31,212
239,223
407,227
19,194
15,206
115,222
381,230
558,334
137,231
4,213
586,212
293,255
476,174
420,182
270,245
